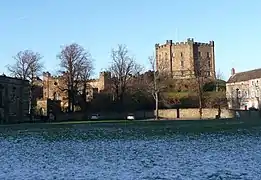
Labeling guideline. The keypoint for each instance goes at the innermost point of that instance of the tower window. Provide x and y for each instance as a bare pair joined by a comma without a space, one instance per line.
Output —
182,63
208,55
181,54
166,55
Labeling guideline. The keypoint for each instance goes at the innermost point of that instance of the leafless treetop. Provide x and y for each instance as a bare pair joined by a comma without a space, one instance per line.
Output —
123,68
27,65
76,62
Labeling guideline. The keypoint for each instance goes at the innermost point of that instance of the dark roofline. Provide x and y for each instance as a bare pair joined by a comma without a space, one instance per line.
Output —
15,78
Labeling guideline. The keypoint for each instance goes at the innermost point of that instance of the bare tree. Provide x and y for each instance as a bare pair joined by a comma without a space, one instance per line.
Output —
76,64
219,76
87,70
27,66
156,84
202,73
123,68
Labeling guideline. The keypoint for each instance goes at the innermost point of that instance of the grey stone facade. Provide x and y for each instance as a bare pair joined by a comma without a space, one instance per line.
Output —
14,99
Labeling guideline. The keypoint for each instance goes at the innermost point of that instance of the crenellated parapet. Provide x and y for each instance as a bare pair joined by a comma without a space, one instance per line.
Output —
190,41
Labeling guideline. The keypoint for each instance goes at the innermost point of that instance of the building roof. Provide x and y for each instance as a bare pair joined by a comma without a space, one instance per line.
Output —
245,76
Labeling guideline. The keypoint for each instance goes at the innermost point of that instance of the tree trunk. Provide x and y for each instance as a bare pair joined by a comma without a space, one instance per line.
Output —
219,111
84,98
200,98
84,92
73,99
69,100
157,106
32,102
200,108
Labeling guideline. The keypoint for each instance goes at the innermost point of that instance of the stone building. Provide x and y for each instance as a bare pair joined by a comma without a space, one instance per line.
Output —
183,59
14,99
54,88
243,89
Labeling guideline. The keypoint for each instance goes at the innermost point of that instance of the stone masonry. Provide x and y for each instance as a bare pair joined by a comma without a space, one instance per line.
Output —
54,88
180,59
14,99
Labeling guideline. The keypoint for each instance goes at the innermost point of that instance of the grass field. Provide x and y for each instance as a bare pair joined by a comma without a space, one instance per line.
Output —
149,125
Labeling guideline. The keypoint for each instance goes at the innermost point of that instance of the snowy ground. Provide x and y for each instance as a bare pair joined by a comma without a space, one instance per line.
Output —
34,155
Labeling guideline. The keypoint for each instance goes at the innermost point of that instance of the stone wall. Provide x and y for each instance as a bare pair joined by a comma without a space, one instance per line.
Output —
47,106
54,87
193,113
14,99
41,104
105,116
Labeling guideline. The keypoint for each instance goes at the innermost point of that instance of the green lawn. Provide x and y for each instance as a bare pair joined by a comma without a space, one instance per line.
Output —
88,121
151,125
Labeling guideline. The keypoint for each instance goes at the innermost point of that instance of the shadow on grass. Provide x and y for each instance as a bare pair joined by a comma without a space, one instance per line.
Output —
150,125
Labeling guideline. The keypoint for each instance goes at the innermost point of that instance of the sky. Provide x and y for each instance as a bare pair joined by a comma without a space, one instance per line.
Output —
45,26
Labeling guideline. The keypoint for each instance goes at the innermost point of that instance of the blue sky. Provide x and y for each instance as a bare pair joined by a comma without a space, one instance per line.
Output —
100,25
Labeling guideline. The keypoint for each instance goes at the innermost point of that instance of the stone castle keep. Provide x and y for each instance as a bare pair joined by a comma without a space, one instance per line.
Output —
180,59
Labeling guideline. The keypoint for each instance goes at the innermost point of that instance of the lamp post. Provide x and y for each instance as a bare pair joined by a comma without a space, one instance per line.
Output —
238,106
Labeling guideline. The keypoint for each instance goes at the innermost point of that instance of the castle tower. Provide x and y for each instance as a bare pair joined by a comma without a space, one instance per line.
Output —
104,80
46,85
181,59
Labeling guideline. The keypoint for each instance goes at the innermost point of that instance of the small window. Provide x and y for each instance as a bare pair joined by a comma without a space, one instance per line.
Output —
182,64
257,93
209,64
239,92
246,95
181,54
208,55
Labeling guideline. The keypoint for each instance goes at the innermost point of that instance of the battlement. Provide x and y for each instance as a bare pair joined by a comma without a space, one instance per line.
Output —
46,74
190,41
50,76
105,74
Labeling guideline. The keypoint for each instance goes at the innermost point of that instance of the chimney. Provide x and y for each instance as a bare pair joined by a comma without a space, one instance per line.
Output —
233,71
